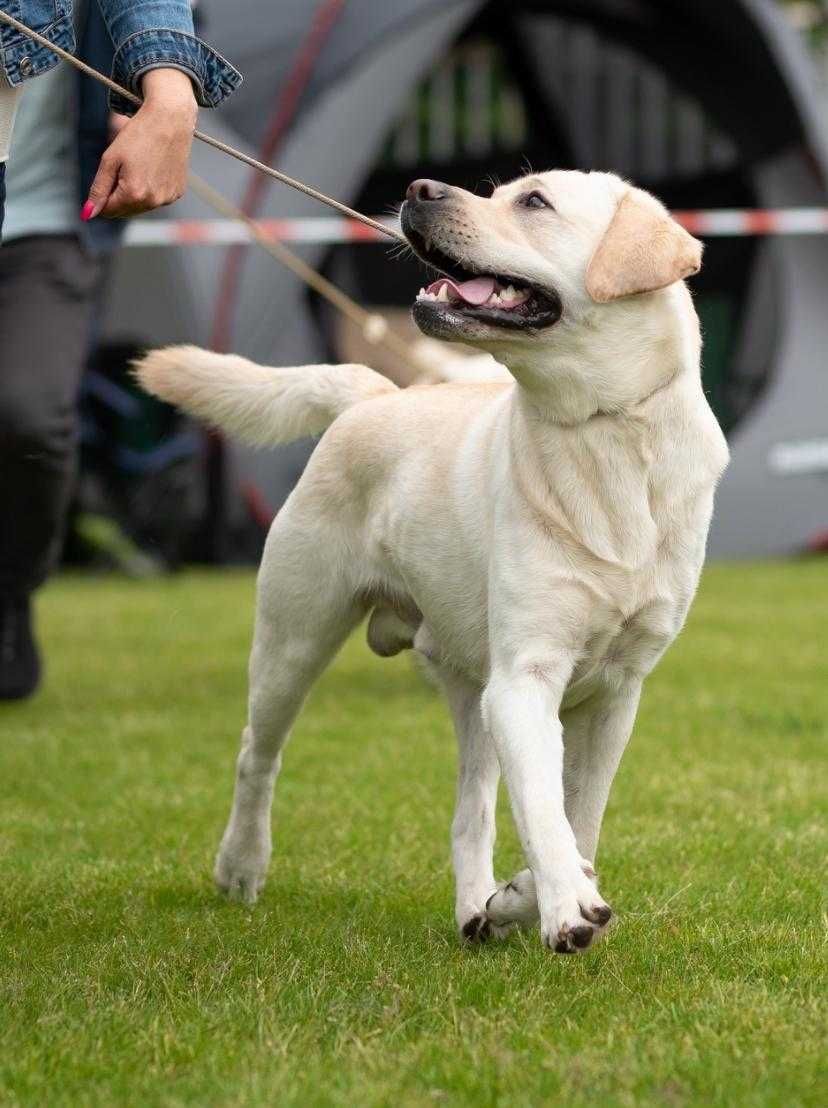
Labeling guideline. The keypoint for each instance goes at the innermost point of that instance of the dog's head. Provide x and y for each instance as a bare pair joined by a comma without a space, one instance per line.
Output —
545,249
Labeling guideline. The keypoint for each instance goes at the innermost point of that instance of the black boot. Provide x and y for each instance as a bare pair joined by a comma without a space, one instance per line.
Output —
19,659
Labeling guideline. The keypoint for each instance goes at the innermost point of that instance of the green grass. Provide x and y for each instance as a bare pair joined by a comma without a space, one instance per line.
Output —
125,981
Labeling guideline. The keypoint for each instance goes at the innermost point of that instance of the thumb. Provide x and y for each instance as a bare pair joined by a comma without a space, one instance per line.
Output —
102,187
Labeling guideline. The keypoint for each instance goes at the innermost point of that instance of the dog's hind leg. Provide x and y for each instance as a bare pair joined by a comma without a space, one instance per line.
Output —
473,827
306,606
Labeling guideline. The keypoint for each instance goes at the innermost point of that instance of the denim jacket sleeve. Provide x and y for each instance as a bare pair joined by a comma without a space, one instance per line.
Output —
154,34
146,34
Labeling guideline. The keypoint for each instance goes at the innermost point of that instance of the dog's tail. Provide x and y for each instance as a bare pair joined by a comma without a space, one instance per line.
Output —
261,405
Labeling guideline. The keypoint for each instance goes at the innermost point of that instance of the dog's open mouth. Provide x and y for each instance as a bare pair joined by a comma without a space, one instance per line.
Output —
498,300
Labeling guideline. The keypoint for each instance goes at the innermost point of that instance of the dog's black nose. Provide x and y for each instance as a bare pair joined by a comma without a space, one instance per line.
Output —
426,190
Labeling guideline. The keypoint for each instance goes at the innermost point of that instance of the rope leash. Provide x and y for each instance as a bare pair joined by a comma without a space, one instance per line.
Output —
217,144
374,328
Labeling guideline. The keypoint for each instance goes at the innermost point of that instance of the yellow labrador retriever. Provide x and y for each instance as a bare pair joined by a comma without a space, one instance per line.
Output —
538,541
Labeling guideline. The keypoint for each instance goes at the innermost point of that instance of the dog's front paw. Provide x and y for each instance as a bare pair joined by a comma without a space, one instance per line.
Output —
241,865
572,923
578,920
579,932
480,929
514,902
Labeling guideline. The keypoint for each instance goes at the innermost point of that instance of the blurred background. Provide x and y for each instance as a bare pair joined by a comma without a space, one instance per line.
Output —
711,104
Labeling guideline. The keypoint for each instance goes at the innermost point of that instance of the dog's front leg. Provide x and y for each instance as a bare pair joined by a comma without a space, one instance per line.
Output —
473,827
521,707
595,736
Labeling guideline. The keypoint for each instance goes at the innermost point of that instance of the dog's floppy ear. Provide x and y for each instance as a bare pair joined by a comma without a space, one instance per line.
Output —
642,250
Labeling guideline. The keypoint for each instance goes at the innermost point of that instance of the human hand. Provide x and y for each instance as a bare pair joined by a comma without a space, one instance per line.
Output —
145,166
117,122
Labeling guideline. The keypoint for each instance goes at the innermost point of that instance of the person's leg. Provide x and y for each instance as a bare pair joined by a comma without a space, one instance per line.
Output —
47,292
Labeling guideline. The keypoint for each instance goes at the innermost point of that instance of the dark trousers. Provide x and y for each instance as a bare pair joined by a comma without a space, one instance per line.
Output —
48,290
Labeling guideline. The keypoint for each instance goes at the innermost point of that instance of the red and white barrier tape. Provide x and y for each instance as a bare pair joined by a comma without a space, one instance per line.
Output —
227,232
755,221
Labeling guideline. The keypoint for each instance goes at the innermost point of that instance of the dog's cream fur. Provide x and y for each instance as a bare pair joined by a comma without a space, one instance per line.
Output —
539,542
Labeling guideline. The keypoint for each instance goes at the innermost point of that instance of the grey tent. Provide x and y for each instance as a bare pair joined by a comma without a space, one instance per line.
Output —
706,102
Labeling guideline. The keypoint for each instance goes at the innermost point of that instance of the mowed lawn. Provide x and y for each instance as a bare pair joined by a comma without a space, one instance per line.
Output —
125,980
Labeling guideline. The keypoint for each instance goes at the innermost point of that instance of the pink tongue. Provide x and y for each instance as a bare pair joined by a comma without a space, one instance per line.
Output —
476,292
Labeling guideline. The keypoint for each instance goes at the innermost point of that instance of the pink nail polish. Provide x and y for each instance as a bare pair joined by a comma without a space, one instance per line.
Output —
87,211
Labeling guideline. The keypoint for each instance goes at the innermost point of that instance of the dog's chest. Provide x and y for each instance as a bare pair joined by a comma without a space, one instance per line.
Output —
625,644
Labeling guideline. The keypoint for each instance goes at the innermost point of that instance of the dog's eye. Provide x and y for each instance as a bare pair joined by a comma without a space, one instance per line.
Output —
534,200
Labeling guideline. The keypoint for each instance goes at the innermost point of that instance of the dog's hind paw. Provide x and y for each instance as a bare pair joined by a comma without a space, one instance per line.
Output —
241,887
240,872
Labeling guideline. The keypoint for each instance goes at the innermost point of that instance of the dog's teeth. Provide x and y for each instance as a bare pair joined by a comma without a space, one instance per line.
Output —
443,293
422,292
509,293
